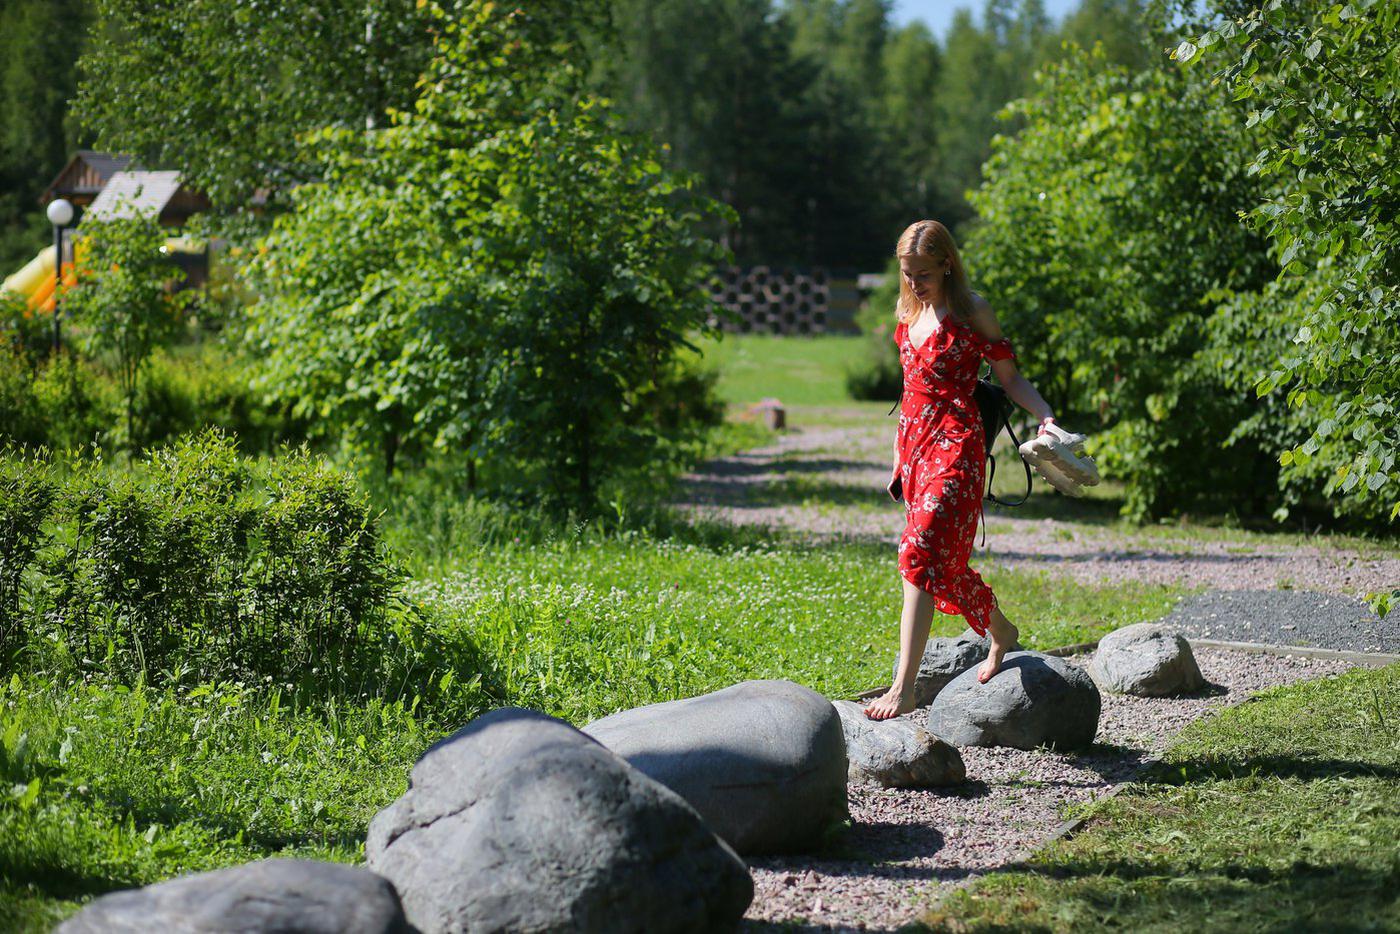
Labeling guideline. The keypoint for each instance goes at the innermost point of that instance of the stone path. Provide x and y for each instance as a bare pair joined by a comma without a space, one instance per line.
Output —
904,846
824,478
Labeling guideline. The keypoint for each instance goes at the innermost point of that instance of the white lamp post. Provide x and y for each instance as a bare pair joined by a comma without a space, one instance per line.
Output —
60,212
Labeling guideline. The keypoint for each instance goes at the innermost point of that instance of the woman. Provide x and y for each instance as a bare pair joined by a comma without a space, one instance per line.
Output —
944,332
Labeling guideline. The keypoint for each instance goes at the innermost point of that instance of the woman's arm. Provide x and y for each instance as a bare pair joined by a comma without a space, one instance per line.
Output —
984,321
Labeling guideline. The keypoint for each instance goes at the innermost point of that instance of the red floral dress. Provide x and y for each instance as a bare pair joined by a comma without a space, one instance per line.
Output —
942,458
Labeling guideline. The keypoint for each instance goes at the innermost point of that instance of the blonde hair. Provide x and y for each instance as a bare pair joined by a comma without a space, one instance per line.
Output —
930,238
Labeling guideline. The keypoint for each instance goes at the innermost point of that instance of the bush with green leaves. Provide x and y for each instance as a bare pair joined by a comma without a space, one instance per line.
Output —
201,560
26,496
503,273
24,331
879,373
203,385
1109,234
1318,80
67,402
123,303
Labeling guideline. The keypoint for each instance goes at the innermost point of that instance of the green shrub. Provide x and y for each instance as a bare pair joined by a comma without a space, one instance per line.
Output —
26,495
80,405
1109,233
201,386
23,331
201,560
879,374
64,403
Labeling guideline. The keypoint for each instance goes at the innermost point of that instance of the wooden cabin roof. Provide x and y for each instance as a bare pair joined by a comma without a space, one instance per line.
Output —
86,174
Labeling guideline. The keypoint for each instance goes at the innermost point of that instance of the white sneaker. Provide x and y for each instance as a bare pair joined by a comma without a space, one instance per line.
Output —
1058,456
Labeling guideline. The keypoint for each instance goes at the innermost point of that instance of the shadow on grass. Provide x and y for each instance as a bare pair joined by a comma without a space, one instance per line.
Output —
741,465
1128,895
1208,770
1048,504
55,876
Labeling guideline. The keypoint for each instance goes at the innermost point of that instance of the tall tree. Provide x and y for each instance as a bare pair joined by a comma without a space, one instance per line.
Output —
39,43
221,89
913,64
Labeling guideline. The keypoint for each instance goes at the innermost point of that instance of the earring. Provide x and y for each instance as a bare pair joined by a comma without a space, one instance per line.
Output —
947,272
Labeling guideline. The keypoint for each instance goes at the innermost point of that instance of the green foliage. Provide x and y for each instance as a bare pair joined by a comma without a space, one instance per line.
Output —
503,272
205,561
24,331
879,374
40,41
1319,80
123,302
1109,235
66,403
26,495
221,89
189,388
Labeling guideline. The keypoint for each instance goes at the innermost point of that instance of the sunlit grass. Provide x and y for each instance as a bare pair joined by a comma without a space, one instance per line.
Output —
1281,814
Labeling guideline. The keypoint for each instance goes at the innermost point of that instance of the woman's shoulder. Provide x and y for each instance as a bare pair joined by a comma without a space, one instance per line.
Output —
984,320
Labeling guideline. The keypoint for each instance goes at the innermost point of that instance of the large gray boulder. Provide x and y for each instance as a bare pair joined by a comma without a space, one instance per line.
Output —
896,753
1033,700
943,660
276,896
764,762
1147,660
519,822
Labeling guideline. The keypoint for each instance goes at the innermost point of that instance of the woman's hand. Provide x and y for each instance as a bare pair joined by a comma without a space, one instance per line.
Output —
1047,420
895,488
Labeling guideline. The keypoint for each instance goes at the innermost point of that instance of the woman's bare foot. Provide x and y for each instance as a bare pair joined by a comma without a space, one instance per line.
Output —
1004,636
890,704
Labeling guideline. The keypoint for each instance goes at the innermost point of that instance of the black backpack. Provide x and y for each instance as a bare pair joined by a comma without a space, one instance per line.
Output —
992,403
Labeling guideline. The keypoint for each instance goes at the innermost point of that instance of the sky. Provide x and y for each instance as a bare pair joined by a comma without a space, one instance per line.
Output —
938,14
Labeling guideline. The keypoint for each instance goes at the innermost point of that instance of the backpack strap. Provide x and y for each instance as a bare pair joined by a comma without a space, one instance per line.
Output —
992,472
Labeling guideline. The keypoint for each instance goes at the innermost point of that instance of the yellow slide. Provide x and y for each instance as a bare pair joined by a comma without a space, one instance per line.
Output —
35,282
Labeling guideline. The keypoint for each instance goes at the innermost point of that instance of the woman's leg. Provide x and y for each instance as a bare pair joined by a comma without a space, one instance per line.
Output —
914,623
1004,636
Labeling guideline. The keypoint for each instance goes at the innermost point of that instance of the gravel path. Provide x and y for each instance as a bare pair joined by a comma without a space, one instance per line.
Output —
903,846
824,479
1286,617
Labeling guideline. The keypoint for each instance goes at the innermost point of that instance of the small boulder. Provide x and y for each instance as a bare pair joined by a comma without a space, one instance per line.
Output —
944,659
1147,660
896,753
1034,700
764,762
519,822
286,896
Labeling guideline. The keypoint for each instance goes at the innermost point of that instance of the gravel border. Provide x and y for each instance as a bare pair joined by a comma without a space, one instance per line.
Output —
826,483
1286,617
905,846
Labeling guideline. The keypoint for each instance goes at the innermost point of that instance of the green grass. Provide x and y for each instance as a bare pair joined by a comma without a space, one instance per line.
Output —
138,785
797,370
1279,815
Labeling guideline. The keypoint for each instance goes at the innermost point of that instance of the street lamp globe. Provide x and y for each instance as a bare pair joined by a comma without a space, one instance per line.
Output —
60,212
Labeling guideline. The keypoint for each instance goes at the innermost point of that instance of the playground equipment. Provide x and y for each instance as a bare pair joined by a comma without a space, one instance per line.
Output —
36,281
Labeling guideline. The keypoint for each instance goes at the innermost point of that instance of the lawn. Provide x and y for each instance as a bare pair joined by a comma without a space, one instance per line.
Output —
1281,814
114,786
